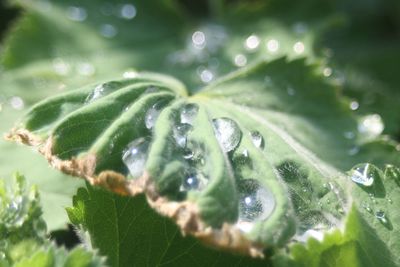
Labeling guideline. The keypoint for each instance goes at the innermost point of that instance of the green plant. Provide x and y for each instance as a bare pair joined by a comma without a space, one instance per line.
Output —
237,130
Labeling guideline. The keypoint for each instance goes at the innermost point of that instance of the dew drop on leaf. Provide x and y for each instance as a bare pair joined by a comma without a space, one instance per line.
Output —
189,113
371,125
135,156
362,174
227,133
252,42
367,207
17,103
381,216
181,132
153,113
272,45
257,139
206,76
354,105
256,203
299,47
240,60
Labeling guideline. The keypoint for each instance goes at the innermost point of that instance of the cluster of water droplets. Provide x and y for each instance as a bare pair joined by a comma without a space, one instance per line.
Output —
365,175
107,11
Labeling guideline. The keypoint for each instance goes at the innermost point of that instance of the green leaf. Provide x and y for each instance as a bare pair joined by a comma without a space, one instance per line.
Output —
238,144
130,233
371,234
23,240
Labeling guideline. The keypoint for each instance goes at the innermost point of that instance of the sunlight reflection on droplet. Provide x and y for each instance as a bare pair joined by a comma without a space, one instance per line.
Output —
240,60
273,45
354,105
17,103
206,76
199,39
299,47
252,42
327,72
61,67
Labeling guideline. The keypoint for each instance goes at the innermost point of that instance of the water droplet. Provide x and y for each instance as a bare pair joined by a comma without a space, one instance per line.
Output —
108,30
17,103
199,39
245,153
61,67
299,47
354,105
366,207
381,216
101,90
227,133
206,76
85,69
188,153
153,113
76,13
252,42
257,139
362,174
327,72
256,203
240,60
189,113
273,45
127,11
135,156
130,74
371,125
180,133
390,201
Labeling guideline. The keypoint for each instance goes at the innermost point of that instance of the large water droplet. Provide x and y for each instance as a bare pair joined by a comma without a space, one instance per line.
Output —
181,132
362,174
135,156
371,125
189,113
256,203
257,139
227,133
153,113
